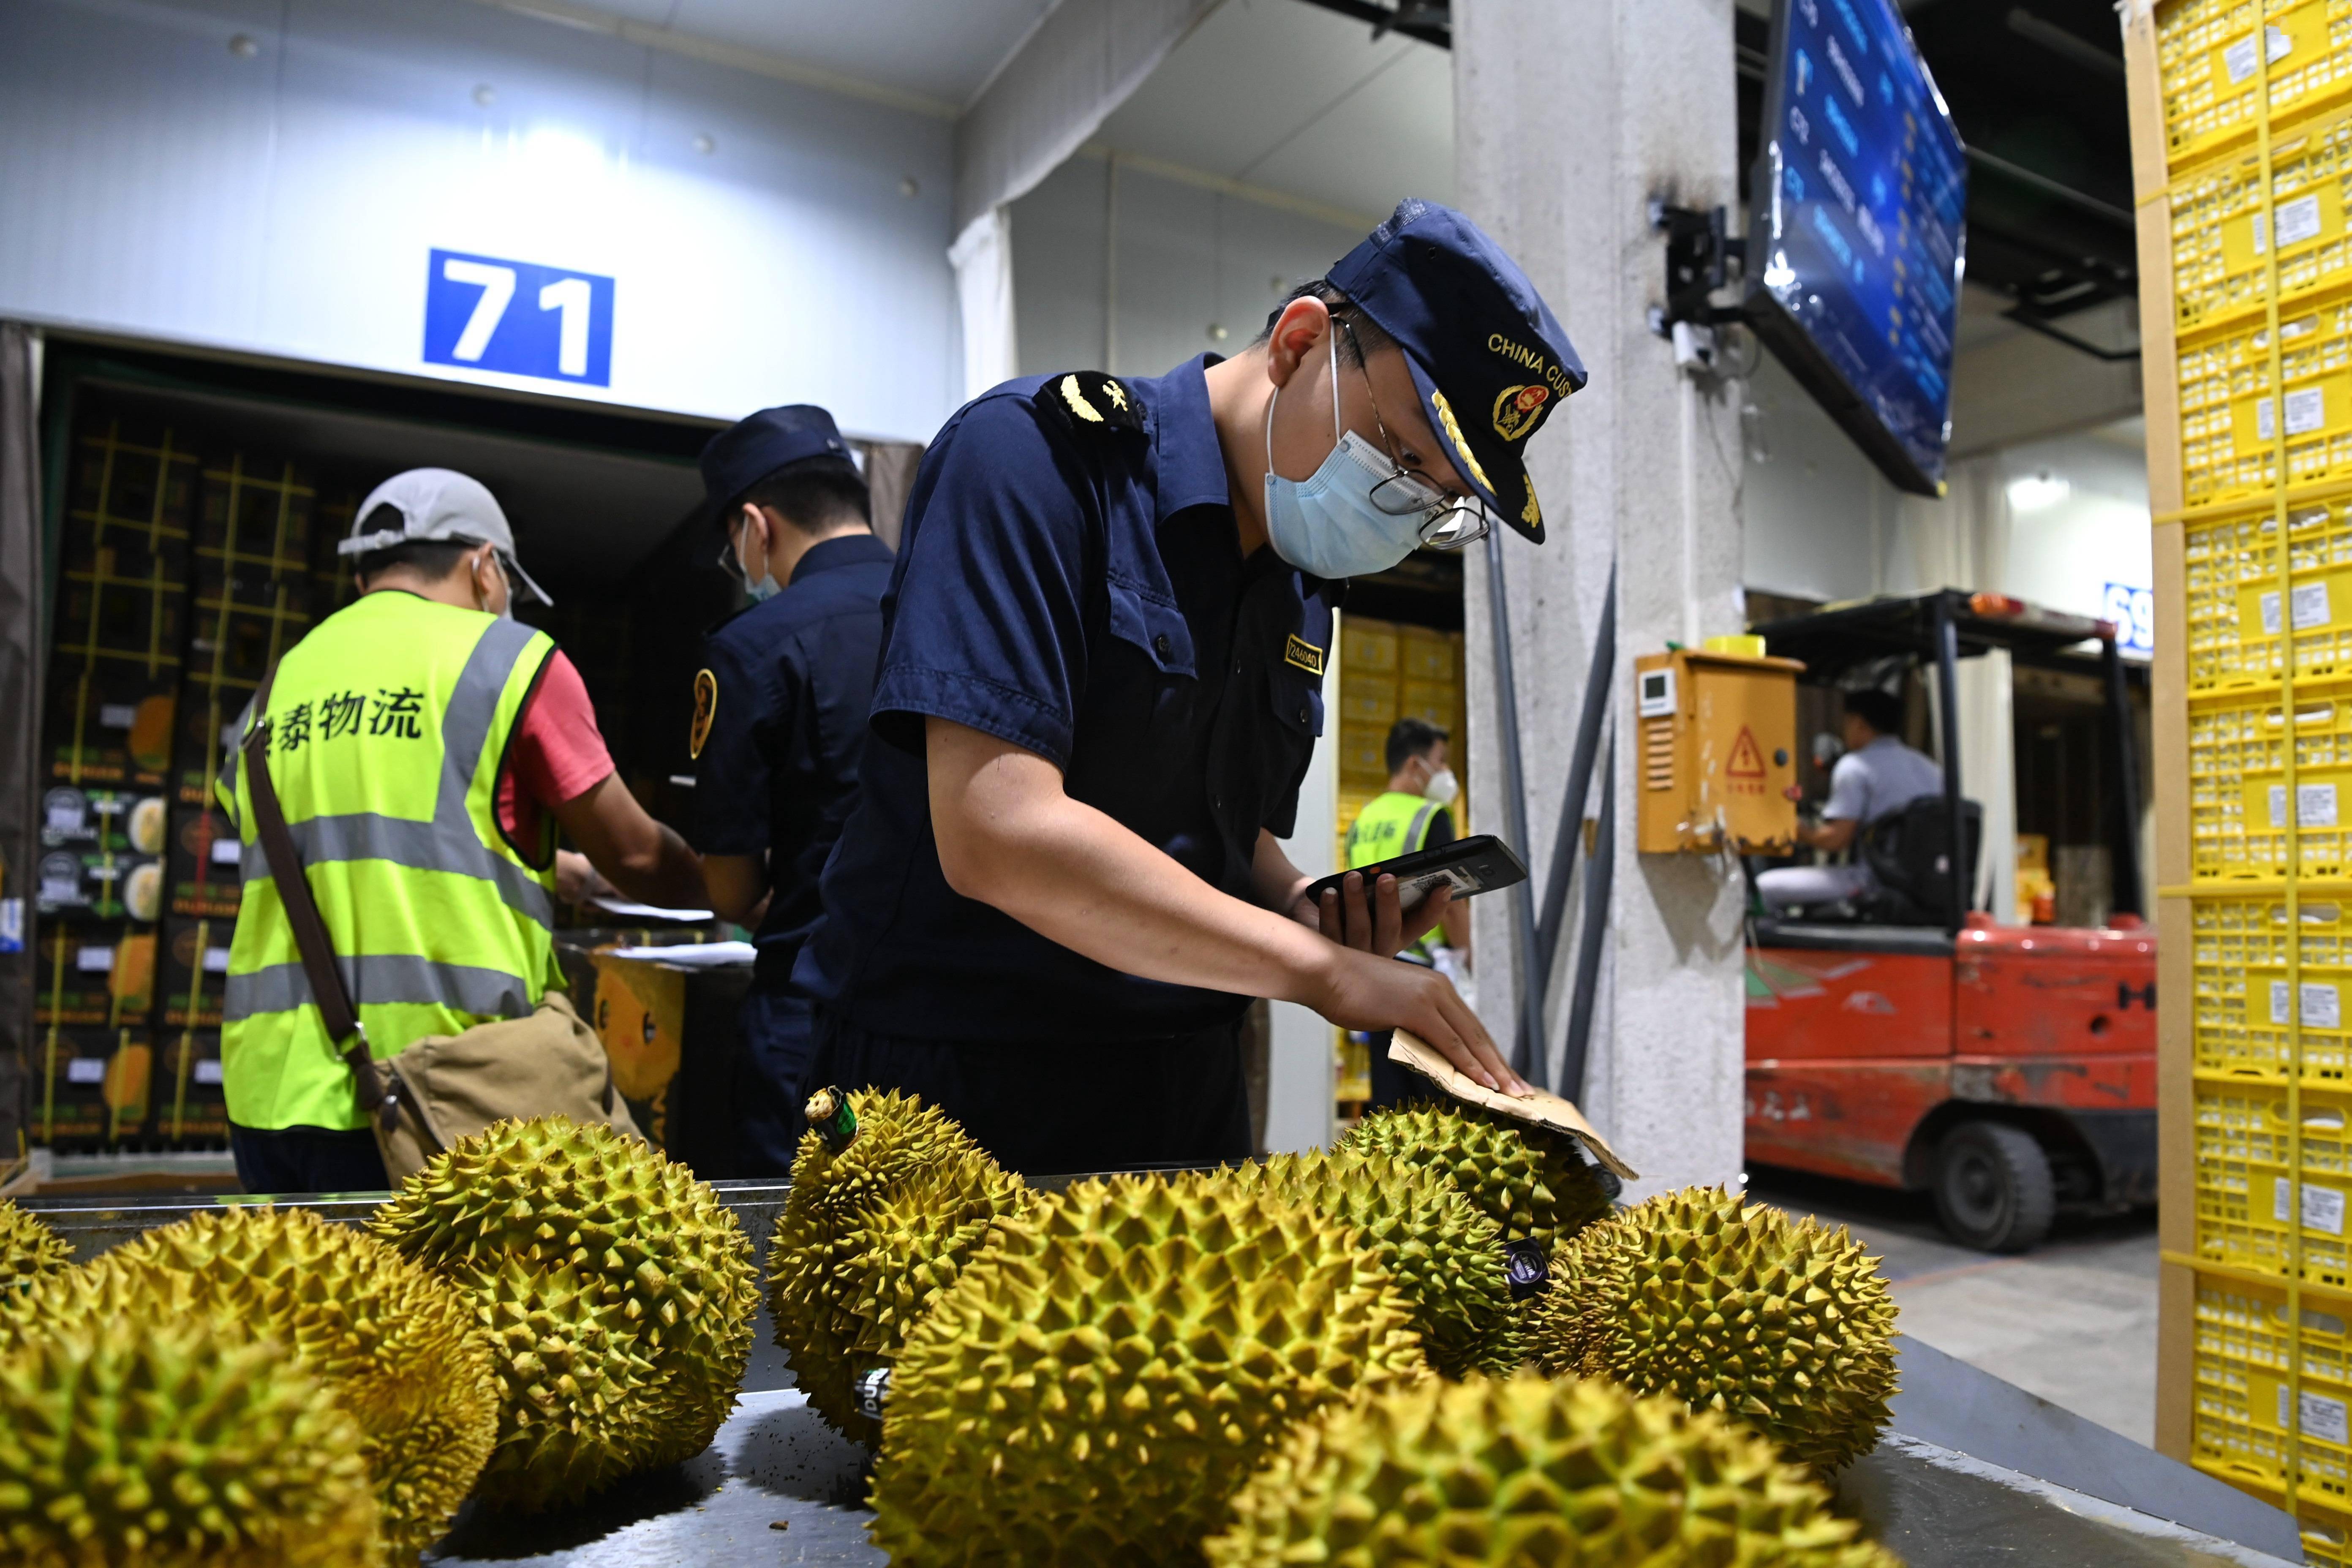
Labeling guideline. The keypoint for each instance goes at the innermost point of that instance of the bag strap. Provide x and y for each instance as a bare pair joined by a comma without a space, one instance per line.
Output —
344,1030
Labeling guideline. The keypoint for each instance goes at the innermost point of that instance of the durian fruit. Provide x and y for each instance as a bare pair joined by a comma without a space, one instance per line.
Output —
1100,1378
1446,1256
1535,1184
1526,1471
883,1211
618,1290
27,1248
154,1442
392,1345
1782,1324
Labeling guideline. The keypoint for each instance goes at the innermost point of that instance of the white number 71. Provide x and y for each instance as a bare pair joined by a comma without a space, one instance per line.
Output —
569,295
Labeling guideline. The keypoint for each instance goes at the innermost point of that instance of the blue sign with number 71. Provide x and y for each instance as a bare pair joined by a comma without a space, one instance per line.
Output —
486,313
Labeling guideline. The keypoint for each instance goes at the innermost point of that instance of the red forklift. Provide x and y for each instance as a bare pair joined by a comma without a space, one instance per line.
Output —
1907,1041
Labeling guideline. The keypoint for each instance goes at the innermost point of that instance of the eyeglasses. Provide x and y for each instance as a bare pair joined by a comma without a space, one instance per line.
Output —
1449,522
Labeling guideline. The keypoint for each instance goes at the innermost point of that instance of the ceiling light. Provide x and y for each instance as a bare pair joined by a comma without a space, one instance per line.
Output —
2033,492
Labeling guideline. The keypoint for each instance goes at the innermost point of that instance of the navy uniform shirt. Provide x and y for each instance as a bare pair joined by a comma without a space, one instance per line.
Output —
779,720
1072,582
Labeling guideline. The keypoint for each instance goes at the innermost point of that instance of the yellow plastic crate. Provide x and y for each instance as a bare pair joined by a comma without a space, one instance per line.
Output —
2241,1411
1426,655
2229,445
2236,629
2220,235
2244,1197
1436,701
2238,822
1363,755
2205,50
2239,973
1367,646
1370,700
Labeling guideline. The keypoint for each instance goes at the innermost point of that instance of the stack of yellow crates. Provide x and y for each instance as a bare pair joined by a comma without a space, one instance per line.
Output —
2241,140
1389,671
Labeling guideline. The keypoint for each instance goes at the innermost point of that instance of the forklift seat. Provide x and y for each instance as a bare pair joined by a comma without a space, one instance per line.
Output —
1910,853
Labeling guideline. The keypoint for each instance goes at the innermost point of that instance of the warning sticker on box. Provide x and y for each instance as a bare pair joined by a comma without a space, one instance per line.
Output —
2305,411
2238,60
2323,1417
2308,606
2315,806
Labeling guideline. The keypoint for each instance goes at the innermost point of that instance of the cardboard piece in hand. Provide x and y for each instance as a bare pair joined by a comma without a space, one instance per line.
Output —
1543,1108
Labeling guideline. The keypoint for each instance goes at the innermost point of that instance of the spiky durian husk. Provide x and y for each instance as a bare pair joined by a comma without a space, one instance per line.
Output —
1566,1474
1535,1184
27,1247
394,1346
870,1233
1446,1256
618,1289
1783,1325
1102,1375
139,1442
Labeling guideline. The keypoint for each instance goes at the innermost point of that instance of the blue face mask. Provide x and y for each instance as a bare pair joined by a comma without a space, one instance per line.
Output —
766,588
1325,523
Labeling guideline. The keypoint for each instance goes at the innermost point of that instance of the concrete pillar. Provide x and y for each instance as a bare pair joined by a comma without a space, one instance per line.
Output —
1569,117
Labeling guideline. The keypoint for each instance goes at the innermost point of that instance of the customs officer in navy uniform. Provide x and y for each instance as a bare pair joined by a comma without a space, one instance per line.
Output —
780,708
1100,684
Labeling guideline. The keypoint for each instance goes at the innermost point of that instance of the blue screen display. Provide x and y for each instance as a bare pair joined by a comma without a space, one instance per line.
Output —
1861,233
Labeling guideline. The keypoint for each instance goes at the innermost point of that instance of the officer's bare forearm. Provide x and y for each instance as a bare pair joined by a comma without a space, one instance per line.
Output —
1278,883
1009,837
739,886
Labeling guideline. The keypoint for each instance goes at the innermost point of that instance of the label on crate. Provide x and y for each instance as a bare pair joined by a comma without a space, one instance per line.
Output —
12,925
2238,60
2321,1007
94,960
2315,806
2323,1207
85,1070
2323,1417
2298,220
117,715
65,811
2307,606
207,1073
229,852
2305,411
215,960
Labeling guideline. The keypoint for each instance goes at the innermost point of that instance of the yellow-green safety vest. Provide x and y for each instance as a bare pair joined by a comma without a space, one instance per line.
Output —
387,725
1392,823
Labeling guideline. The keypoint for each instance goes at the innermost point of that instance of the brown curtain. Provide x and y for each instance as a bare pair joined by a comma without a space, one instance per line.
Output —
890,477
20,701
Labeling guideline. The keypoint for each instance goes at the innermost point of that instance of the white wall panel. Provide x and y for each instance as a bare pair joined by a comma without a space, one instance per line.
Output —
158,184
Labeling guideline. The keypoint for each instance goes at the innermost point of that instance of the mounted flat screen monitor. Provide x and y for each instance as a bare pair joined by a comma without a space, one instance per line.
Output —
1859,199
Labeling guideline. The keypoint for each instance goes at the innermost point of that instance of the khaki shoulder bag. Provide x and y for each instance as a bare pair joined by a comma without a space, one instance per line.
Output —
442,1088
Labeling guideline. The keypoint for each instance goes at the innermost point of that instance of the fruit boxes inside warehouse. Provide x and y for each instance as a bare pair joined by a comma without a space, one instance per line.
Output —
2243,160
192,515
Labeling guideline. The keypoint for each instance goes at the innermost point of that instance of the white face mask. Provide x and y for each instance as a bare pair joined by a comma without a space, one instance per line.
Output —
767,587
1442,787
1325,523
482,600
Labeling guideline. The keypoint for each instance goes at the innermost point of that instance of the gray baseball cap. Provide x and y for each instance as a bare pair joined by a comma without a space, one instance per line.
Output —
437,504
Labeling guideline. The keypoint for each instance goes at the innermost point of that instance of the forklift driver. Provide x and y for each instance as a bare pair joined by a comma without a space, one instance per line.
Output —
1878,776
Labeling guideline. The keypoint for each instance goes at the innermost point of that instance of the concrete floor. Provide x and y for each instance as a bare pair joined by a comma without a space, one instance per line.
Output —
2073,1321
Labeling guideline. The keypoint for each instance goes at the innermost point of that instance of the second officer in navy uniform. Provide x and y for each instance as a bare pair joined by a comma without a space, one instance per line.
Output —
780,711
1101,683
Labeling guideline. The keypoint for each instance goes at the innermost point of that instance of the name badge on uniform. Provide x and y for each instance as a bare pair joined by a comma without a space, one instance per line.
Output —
1303,654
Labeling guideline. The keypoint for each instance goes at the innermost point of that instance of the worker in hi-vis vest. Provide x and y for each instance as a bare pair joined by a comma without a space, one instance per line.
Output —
426,747
1412,814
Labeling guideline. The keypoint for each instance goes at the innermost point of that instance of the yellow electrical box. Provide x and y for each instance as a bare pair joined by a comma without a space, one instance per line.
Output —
1719,760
